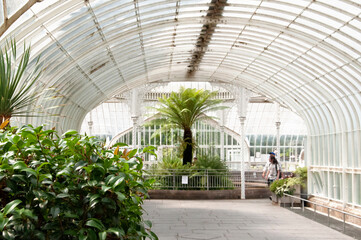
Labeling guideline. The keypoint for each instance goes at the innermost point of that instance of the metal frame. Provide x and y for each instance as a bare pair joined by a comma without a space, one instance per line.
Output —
302,54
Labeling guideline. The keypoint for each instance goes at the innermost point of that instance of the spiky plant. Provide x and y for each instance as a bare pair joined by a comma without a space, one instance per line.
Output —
182,109
17,91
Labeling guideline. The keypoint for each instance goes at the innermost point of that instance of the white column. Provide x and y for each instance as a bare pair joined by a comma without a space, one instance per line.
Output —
90,124
278,125
344,187
243,180
135,128
139,136
278,138
222,123
134,103
222,143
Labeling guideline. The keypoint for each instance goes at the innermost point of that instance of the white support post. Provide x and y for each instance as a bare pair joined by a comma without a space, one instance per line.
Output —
135,127
278,136
222,123
90,124
344,187
135,115
242,102
222,143
139,137
243,180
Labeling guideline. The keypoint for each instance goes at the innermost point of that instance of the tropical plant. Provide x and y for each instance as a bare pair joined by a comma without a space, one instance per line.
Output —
181,110
301,173
287,185
17,91
69,187
277,183
210,162
169,163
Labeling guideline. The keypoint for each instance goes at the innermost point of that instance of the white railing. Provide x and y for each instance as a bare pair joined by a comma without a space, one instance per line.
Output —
315,205
203,179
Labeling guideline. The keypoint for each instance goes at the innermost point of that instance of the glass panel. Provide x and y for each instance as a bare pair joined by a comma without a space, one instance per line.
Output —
1,13
14,5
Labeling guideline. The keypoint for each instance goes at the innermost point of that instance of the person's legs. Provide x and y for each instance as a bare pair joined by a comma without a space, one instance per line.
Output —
269,182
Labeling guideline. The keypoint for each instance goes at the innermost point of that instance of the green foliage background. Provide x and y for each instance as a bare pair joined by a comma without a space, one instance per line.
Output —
168,172
69,187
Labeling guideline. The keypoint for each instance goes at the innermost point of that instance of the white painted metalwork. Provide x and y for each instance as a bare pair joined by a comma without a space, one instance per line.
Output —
303,54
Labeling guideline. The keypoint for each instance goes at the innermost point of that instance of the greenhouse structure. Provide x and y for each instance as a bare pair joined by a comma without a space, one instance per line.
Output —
287,71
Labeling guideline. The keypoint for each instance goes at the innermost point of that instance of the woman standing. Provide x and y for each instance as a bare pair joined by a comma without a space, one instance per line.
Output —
274,170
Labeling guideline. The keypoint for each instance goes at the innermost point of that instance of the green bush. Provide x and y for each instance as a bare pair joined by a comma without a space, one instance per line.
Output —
302,174
210,162
168,174
276,184
69,187
171,163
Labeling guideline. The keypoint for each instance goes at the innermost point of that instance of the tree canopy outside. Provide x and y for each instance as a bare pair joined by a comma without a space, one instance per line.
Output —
182,109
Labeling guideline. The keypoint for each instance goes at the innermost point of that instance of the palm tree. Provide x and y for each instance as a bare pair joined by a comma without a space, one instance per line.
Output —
17,91
182,110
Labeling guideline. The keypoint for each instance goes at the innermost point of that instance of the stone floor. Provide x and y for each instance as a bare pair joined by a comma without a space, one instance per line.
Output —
231,220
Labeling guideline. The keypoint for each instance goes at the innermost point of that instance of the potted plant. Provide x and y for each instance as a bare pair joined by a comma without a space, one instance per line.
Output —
301,173
289,186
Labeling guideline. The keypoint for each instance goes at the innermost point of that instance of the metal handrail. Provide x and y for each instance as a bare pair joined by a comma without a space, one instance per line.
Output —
321,205
201,178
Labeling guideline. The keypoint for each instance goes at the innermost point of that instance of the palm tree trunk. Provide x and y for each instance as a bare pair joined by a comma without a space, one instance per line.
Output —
188,151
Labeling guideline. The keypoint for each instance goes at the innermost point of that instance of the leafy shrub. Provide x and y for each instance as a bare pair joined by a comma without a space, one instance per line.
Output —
168,174
210,162
302,174
281,186
171,163
276,184
69,187
294,181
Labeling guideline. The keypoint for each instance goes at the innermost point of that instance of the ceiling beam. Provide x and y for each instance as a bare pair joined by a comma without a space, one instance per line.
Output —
9,21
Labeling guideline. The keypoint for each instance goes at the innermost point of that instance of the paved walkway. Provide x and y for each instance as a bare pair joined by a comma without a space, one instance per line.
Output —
231,220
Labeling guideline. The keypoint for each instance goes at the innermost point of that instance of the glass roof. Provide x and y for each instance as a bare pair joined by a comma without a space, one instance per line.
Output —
304,54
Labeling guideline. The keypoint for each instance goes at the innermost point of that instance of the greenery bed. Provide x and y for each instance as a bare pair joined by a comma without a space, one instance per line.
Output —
281,186
69,187
168,174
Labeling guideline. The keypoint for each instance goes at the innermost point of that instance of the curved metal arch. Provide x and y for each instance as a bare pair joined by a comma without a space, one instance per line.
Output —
345,87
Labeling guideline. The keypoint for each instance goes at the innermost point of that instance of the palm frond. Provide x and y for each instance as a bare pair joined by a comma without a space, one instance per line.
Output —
17,86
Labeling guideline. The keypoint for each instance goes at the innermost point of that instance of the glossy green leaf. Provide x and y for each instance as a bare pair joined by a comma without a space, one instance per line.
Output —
105,188
30,171
3,223
96,223
91,234
70,132
117,231
121,196
132,153
102,235
10,206
47,142
20,165
120,145
63,195
119,180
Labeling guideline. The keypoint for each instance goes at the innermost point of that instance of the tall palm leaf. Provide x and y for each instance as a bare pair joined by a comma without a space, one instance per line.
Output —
17,90
182,110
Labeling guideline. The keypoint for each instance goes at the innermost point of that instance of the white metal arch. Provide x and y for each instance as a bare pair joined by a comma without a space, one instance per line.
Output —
304,54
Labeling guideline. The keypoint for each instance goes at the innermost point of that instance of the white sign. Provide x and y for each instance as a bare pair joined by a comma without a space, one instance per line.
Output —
184,179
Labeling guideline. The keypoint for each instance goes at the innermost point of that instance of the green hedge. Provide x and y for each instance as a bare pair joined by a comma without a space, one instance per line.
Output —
69,187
